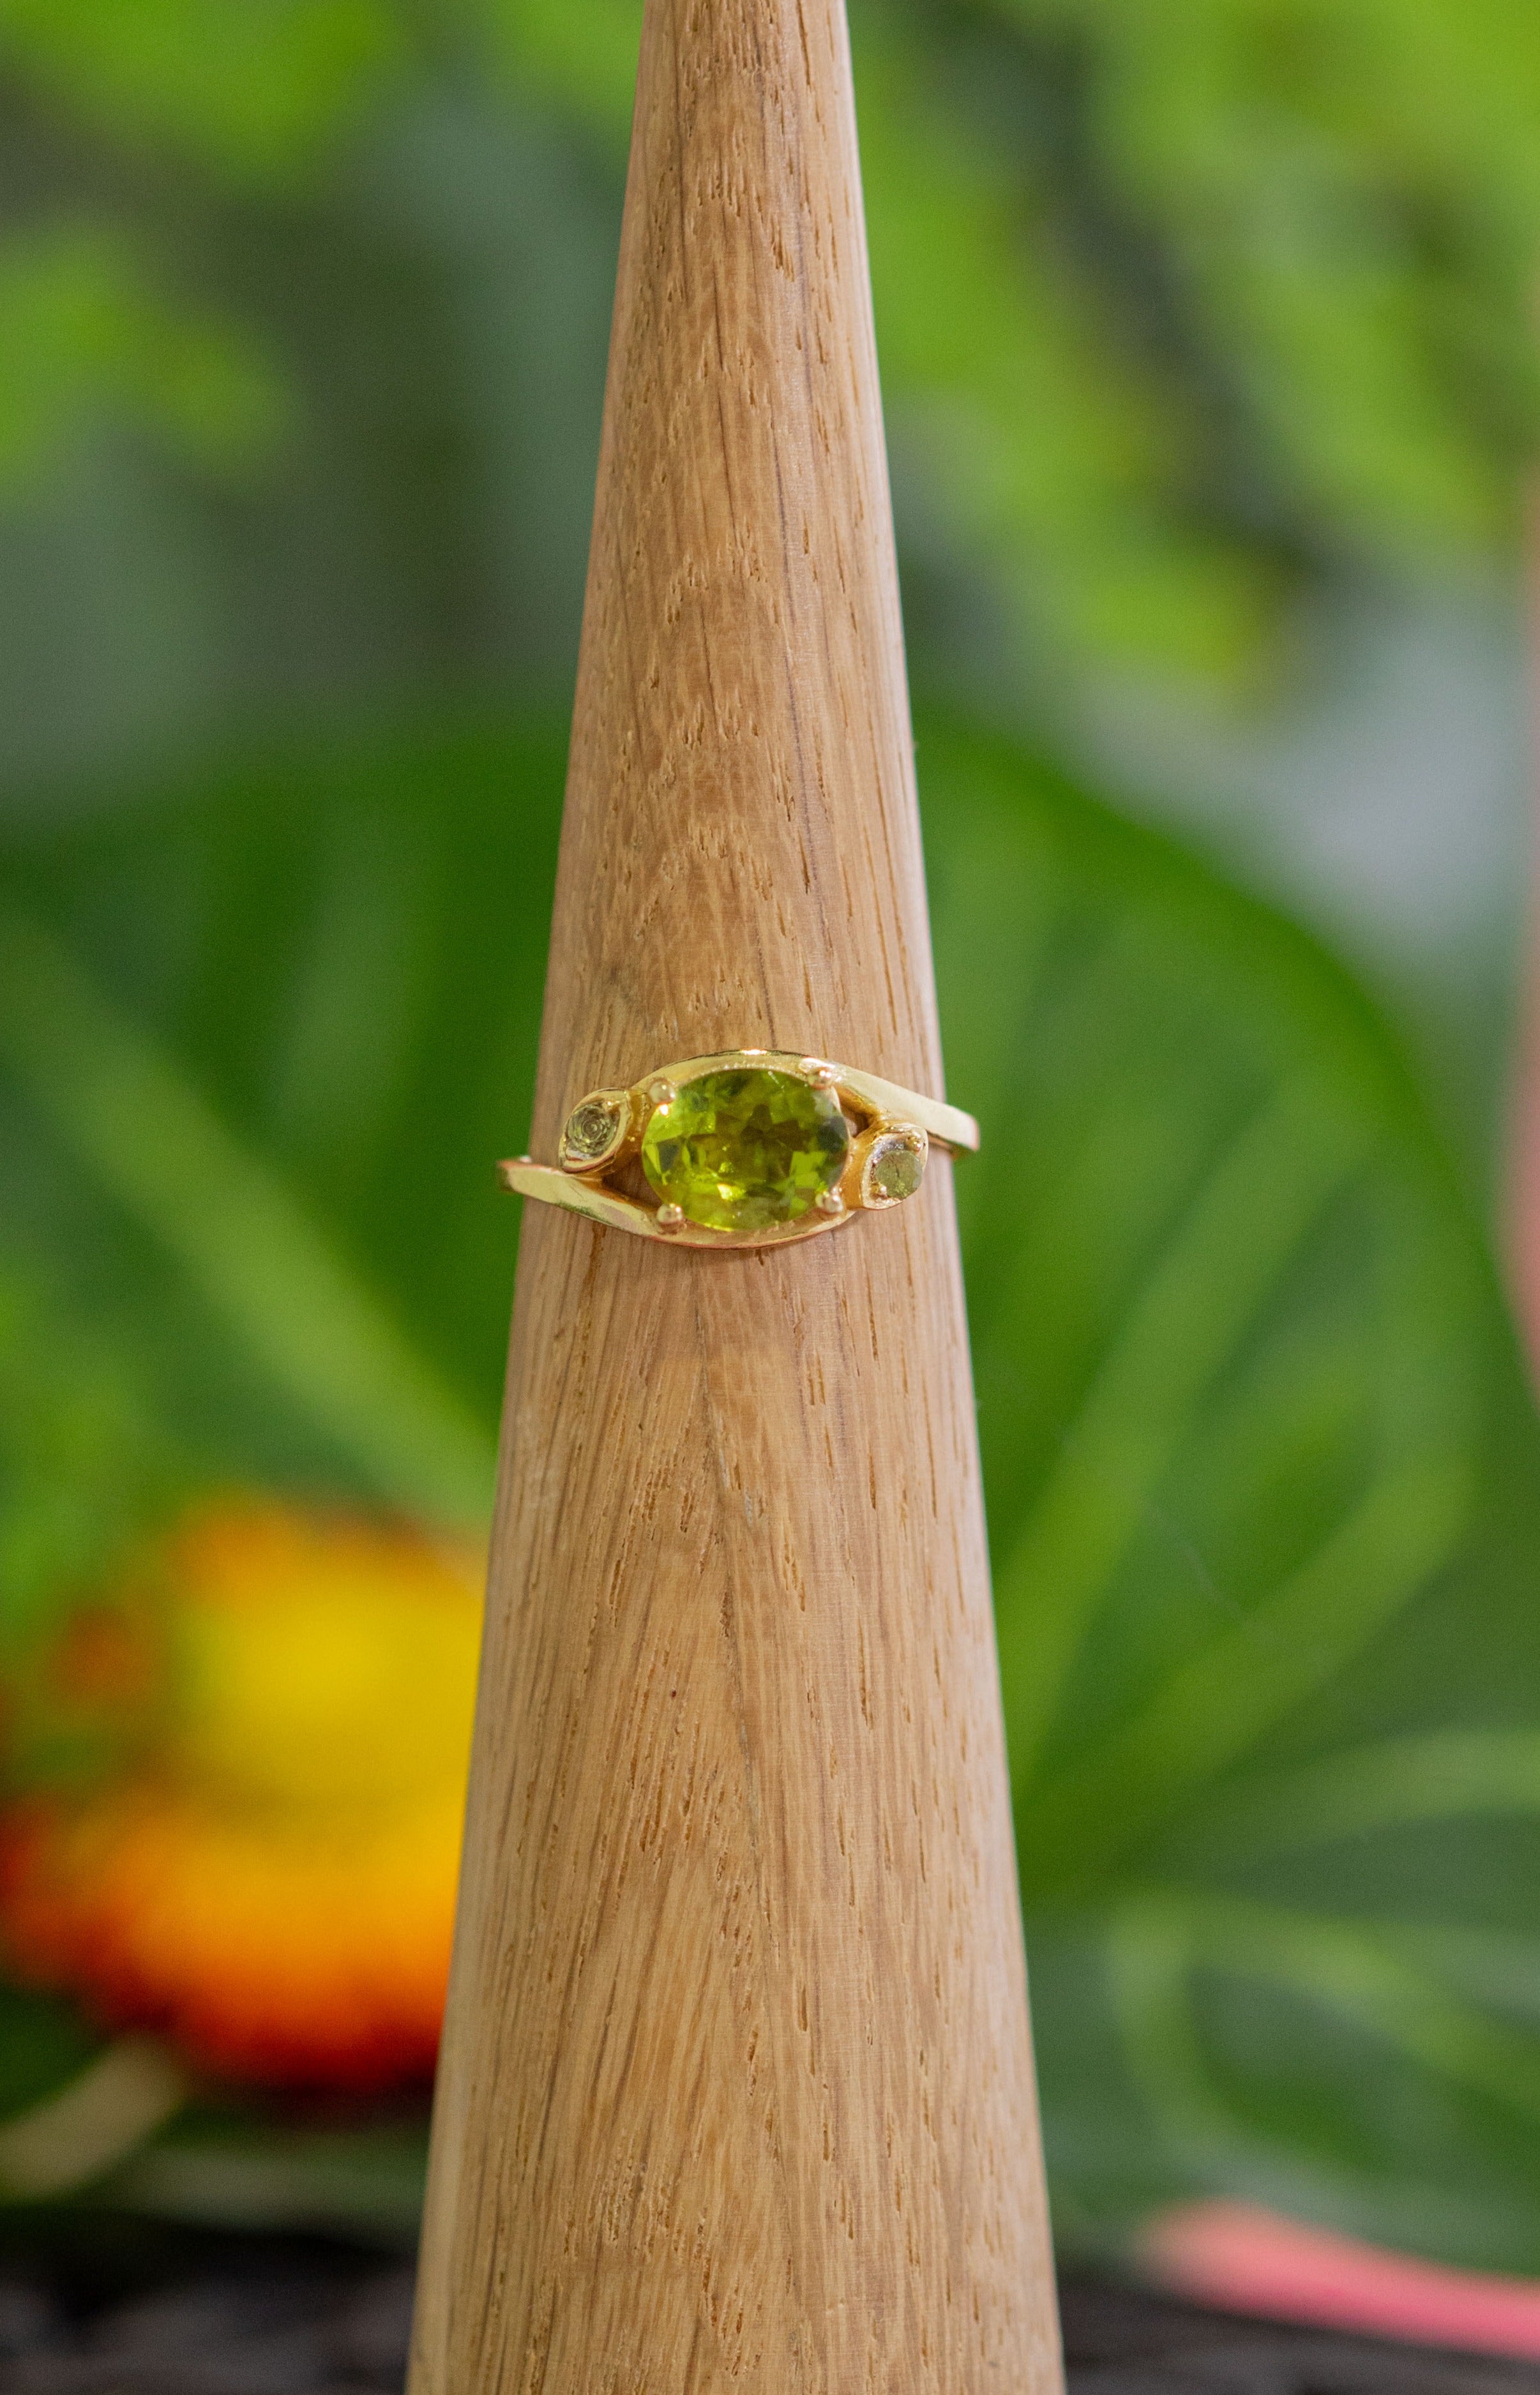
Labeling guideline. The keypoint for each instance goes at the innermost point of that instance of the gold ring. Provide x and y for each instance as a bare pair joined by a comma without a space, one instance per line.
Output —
742,1150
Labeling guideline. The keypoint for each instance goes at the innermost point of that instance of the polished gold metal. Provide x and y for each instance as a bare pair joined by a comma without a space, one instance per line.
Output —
604,1131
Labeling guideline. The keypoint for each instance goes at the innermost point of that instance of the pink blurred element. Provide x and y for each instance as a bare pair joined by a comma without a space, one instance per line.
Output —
1239,2258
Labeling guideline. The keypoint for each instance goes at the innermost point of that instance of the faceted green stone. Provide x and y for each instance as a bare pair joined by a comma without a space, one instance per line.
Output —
896,1170
741,1150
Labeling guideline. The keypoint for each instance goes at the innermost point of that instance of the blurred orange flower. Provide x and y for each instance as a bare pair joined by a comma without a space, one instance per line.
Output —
273,1882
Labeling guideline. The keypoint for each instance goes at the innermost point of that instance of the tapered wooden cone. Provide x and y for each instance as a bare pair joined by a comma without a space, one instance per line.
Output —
737,2086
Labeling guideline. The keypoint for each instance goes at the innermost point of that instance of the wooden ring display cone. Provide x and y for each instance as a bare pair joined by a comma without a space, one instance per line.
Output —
737,2085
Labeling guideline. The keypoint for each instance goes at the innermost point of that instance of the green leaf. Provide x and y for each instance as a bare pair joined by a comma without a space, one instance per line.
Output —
84,1458
153,1144
84,2129
264,1040
1264,1500
366,2180
41,2049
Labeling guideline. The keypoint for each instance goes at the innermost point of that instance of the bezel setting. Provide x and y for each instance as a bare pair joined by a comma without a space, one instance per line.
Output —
577,1153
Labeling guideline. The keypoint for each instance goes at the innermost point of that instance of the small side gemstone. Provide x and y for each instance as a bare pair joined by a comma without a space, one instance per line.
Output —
894,1169
590,1131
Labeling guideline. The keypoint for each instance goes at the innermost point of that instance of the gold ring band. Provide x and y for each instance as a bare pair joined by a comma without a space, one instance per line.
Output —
745,1149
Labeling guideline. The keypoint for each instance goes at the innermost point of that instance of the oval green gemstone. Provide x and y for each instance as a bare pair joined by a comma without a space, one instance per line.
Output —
741,1150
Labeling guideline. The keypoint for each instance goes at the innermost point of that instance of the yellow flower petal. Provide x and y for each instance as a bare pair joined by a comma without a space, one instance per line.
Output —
275,1887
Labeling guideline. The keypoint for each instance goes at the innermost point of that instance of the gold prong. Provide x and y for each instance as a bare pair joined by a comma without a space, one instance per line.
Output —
829,1201
822,1076
670,1217
662,1093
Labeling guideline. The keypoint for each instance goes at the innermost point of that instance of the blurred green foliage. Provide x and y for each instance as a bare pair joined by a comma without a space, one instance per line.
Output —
1264,1478
253,89
1184,305
83,328
90,319
1263,1486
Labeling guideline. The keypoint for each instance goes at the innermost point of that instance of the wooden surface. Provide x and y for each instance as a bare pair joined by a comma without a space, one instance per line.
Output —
737,2086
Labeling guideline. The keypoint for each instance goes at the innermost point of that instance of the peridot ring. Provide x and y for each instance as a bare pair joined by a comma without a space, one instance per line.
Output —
742,1150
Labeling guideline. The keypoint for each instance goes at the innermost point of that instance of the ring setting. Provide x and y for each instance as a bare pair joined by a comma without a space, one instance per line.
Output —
745,1149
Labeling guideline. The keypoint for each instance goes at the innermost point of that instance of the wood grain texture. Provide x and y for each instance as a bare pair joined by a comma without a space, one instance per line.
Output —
737,2088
